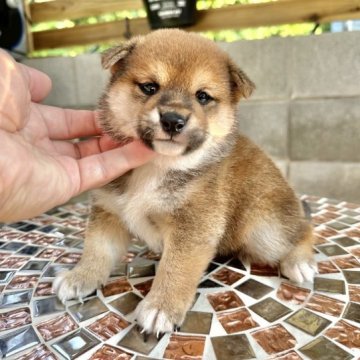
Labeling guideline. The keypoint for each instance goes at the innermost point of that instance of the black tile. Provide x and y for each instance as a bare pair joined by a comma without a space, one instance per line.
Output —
29,250
13,342
68,242
53,270
197,322
254,288
332,250
345,241
324,349
75,344
222,259
48,306
232,347
6,276
270,309
211,268
352,277
15,298
329,285
352,312
126,303
12,246
236,263
47,229
208,284
17,225
88,309
119,270
28,227
337,225
35,265
141,270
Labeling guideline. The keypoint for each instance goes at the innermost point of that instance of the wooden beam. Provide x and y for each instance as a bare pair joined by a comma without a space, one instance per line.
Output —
230,17
75,9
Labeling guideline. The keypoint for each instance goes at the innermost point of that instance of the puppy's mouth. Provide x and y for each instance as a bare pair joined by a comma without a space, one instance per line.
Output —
171,145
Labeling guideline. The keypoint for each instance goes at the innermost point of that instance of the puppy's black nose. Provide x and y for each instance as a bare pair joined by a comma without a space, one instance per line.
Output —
172,122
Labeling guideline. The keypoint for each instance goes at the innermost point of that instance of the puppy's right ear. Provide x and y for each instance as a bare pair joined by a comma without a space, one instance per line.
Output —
113,58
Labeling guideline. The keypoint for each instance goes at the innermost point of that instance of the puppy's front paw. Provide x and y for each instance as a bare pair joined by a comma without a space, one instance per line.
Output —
158,318
76,283
299,272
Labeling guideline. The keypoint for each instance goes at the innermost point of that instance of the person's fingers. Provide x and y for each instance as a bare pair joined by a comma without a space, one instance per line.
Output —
85,148
67,124
39,83
97,170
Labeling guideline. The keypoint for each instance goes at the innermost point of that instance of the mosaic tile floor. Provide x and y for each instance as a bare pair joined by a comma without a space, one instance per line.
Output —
241,311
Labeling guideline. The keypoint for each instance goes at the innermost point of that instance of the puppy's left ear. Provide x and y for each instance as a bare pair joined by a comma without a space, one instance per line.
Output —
113,58
241,85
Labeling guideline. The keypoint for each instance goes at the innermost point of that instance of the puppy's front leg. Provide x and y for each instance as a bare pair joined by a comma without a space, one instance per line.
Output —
105,241
182,264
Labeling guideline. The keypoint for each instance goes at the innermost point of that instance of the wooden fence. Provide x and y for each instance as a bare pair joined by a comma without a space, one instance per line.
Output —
228,17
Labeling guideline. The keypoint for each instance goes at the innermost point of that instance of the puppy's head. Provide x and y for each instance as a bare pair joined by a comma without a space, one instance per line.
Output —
173,90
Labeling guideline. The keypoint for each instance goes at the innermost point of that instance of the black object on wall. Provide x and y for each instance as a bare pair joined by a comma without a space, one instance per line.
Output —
170,13
11,25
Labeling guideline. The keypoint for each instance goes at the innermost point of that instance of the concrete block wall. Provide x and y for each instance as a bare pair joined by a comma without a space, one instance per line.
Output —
305,111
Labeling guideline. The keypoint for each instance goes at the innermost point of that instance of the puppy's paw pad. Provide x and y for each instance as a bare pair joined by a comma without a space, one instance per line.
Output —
74,284
300,272
152,319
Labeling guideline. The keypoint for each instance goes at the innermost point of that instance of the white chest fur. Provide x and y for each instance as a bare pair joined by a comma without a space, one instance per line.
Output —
143,197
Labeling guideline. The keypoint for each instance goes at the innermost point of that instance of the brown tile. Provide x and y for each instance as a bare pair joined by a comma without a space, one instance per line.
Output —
224,300
41,352
150,255
23,282
356,251
254,288
352,277
325,232
227,276
354,293
144,287
327,267
50,253
108,352
347,262
31,237
332,250
329,285
197,322
232,347
236,320
274,339
183,347
349,205
352,312
290,355
325,305
292,293
108,326
324,349
345,333
44,289
3,256
264,270
14,319
69,258
55,327
46,240
308,322
118,286
14,262
353,233
319,240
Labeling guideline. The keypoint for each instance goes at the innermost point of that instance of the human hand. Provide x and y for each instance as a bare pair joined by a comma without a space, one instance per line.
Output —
39,166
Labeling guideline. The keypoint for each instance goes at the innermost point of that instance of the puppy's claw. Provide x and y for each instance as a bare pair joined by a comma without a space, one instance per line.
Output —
176,328
145,336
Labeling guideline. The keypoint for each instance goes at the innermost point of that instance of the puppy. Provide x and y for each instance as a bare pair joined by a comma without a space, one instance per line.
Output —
209,190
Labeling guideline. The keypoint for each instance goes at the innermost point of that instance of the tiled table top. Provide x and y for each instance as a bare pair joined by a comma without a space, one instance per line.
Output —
242,311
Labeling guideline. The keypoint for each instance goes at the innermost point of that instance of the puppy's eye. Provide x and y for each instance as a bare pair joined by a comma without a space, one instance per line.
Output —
149,88
203,97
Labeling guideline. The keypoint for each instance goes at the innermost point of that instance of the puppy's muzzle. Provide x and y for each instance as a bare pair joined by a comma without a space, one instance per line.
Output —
172,123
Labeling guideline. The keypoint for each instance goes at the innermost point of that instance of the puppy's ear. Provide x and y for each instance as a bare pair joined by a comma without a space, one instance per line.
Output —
241,85
113,58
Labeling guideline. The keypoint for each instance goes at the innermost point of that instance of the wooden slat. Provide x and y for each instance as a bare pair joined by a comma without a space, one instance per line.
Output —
75,9
231,17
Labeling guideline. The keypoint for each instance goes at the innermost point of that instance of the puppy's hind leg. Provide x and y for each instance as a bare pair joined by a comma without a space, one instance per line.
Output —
105,240
299,264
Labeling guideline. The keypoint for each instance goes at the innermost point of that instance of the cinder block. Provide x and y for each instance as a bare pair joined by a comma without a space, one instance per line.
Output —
326,65
91,79
325,129
266,123
62,73
266,62
330,179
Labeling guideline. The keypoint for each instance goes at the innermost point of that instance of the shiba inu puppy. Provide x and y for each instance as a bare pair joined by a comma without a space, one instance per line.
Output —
209,190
